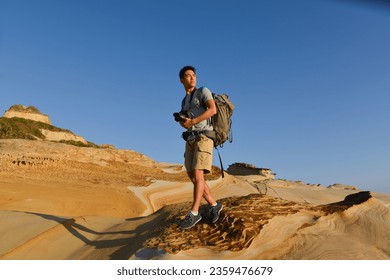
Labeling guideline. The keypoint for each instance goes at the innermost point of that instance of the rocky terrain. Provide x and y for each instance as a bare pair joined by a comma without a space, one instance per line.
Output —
64,201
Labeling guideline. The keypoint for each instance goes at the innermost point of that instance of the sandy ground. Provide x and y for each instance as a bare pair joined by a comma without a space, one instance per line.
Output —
63,202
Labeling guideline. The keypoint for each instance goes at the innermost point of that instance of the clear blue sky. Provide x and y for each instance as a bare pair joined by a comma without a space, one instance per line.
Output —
310,79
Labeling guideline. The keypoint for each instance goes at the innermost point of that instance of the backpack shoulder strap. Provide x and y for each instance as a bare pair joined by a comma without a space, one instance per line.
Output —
193,93
201,99
184,98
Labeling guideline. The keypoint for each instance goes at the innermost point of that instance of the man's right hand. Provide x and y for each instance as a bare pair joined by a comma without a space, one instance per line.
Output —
186,123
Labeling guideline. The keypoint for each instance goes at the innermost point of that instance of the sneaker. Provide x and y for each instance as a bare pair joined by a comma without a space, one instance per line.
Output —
190,220
214,212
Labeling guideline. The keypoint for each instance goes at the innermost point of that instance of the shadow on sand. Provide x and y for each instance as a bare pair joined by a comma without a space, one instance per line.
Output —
117,244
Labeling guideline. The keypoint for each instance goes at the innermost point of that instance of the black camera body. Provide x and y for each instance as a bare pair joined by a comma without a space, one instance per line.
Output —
180,116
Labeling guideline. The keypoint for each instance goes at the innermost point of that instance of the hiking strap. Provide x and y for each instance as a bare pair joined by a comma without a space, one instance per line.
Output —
184,99
220,161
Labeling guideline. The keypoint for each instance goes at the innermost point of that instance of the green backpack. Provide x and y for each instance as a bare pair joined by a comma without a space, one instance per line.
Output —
222,120
222,123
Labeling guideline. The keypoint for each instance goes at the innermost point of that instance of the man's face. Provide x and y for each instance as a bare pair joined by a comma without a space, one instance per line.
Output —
189,79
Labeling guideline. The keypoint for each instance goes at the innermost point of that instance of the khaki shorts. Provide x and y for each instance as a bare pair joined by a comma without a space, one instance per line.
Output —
199,154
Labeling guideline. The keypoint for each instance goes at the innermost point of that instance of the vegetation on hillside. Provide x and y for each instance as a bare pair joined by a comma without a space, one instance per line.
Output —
19,128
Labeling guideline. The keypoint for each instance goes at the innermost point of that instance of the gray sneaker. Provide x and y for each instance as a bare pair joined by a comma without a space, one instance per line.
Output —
190,220
214,212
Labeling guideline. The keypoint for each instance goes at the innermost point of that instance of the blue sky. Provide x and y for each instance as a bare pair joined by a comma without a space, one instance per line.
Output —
310,79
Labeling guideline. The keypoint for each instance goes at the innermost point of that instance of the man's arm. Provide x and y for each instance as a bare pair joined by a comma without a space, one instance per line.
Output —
210,111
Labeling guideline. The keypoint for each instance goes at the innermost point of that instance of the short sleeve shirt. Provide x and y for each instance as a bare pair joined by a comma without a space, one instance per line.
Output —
198,107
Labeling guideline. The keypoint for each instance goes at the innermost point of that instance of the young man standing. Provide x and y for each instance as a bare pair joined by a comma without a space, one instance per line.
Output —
198,105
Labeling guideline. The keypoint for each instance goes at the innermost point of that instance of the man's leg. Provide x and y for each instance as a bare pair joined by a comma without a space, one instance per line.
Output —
198,158
193,217
201,189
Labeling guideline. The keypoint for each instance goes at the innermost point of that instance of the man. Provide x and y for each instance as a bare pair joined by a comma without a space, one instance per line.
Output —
198,106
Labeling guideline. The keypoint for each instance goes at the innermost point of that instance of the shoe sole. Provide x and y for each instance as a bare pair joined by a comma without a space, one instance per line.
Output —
219,212
191,225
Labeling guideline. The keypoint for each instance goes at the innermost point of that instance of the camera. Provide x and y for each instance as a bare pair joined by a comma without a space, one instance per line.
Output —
180,116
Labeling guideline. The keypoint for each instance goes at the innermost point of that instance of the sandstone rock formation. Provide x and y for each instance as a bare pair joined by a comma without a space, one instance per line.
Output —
342,186
98,204
59,136
31,113
249,169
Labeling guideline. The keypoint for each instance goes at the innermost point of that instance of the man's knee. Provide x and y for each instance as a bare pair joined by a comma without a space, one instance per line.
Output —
199,175
191,175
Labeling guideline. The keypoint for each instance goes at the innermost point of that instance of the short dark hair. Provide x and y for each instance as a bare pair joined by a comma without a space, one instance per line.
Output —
184,69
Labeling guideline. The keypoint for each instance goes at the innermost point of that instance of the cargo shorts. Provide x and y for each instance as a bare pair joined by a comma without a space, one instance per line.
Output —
199,154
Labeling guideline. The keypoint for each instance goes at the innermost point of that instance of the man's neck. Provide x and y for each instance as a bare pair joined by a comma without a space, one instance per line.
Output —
190,90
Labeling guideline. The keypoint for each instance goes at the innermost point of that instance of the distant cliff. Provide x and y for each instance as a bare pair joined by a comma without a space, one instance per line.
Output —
22,122
30,113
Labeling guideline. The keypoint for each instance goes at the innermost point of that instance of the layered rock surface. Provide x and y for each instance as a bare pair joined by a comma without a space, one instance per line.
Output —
60,201
24,112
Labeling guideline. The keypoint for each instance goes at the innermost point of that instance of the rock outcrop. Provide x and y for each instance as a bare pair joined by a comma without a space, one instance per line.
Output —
59,136
242,169
343,187
31,113
43,131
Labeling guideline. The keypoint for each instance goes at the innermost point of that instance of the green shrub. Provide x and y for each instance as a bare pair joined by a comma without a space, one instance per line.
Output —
19,128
